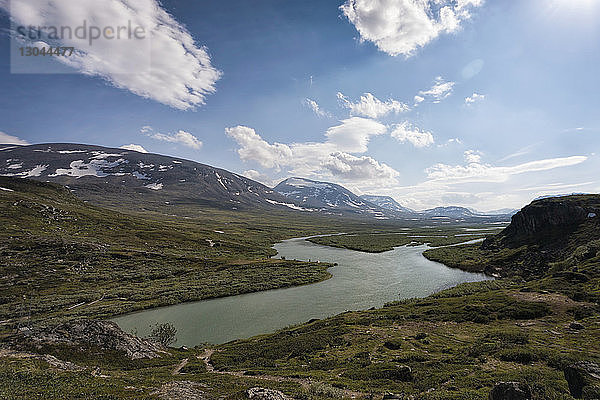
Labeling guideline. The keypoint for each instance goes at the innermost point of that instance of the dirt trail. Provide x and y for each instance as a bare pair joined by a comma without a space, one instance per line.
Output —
180,366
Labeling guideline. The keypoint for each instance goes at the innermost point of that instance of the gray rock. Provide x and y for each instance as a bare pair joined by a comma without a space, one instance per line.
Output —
510,391
257,393
576,326
583,376
104,334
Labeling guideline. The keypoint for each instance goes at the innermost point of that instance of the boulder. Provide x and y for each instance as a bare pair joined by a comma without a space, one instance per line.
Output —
510,391
105,335
257,393
583,377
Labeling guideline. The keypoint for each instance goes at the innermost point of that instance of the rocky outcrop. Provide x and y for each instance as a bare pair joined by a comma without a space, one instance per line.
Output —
105,335
547,216
257,393
583,378
510,391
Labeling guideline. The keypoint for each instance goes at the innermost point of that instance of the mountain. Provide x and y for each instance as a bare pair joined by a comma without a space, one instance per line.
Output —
328,197
110,176
387,203
449,212
502,211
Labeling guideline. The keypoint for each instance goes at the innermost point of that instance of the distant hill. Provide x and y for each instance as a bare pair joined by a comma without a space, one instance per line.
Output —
330,197
386,202
110,177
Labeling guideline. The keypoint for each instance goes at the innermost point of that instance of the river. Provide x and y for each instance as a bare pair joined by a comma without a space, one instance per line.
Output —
360,281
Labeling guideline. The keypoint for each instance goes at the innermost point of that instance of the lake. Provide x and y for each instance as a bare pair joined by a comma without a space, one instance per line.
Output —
360,281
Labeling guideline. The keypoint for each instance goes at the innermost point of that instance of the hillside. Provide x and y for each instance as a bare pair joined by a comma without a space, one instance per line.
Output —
328,197
387,202
128,179
540,235
462,343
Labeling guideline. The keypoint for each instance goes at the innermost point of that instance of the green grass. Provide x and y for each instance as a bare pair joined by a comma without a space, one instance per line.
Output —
377,242
57,252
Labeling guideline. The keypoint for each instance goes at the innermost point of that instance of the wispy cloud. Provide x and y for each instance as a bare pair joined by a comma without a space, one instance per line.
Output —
474,98
179,137
5,138
314,106
400,27
440,90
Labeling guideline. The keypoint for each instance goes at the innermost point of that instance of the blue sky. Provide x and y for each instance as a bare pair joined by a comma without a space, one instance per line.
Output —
481,104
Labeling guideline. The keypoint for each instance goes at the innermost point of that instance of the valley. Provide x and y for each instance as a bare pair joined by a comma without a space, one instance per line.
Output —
365,308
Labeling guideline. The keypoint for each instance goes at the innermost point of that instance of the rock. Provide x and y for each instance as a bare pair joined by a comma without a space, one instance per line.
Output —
103,334
392,396
510,391
576,326
582,375
181,390
266,394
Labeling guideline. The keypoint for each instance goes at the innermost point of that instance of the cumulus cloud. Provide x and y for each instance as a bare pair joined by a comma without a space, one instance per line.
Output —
164,63
363,168
400,27
476,97
438,92
472,156
134,147
255,148
353,134
314,106
405,132
370,106
333,158
8,139
180,137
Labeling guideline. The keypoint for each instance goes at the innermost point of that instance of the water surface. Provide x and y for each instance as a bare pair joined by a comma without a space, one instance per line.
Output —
360,281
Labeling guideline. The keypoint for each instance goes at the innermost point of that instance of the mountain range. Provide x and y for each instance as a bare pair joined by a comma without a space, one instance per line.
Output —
109,176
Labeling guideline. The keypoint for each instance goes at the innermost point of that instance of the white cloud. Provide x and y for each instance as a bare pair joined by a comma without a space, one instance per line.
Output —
402,26
332,158
314,106
254,148
364,168
476,171
259,177
8,139
165,64
472,156
370,106
134,147
180,137
353,134
405,132
438,92
476,97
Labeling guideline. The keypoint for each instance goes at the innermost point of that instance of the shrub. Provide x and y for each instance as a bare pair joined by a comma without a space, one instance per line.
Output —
165,334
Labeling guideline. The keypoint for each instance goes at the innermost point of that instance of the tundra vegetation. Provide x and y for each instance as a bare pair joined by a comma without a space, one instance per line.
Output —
65,260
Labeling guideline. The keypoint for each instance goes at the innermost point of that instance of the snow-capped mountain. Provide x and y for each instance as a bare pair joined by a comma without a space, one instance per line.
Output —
327,197
387,203
117,177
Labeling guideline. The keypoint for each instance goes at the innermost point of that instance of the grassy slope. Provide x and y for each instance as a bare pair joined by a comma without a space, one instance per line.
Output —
57,251
458,342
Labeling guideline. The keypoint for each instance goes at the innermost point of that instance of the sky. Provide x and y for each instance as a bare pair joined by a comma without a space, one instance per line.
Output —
482,104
